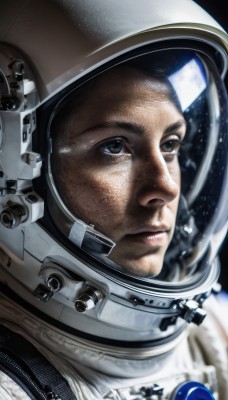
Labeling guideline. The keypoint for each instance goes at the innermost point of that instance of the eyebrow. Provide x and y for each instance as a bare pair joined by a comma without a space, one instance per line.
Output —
176,125
134,127
127,126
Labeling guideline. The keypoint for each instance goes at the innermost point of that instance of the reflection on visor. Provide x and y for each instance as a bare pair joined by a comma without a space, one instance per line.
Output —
188,82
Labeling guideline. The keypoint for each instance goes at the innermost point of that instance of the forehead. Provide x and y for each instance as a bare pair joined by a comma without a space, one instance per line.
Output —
118,88
116,93
125,80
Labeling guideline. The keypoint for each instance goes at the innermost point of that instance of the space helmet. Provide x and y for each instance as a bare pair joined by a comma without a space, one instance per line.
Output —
55,263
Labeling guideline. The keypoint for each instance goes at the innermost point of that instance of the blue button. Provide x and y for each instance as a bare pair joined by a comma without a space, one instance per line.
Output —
193,391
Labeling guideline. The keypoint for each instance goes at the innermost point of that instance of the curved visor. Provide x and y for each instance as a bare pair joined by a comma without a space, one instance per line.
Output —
138,168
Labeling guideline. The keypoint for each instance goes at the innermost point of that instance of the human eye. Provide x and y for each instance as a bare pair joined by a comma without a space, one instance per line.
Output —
114,147
172,146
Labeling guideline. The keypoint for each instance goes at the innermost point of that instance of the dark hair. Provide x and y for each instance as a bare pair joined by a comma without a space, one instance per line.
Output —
146,64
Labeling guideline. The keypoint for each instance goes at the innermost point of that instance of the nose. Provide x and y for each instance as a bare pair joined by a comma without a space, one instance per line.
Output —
158,182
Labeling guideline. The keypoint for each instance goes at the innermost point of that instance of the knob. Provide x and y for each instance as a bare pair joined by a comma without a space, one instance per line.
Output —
193,390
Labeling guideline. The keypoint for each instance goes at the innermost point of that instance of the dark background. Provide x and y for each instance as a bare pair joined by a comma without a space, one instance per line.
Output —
217,10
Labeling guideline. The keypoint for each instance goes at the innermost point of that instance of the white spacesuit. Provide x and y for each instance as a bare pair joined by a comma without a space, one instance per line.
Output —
115,325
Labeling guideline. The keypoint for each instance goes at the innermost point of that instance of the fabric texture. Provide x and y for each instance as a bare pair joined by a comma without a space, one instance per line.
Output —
94,374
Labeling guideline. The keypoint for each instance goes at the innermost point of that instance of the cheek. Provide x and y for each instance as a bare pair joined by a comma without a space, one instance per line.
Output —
97,197
175,174
177,178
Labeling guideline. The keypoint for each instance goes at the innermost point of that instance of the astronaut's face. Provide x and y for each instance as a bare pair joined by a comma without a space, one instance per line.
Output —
117,166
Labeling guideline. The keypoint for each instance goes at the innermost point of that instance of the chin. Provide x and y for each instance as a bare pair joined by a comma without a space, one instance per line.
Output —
147,267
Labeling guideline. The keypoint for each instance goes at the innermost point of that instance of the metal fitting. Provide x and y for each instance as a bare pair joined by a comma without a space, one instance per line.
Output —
9,103
191,311
12,216
44,293
54,283
88,299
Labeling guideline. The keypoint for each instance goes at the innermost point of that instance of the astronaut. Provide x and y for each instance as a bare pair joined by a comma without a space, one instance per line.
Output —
113,206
